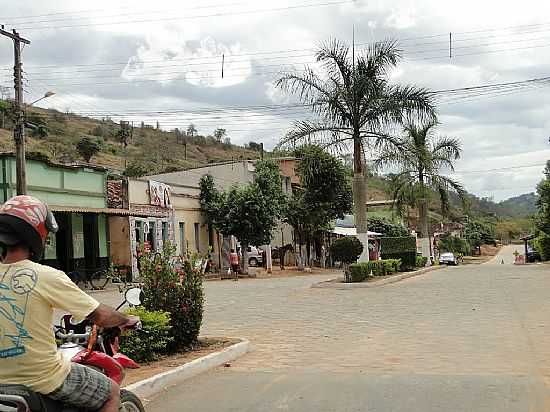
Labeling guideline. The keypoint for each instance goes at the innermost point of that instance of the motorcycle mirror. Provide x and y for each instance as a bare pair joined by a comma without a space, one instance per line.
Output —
133,296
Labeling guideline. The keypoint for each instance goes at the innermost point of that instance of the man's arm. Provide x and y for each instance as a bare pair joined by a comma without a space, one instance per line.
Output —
109,318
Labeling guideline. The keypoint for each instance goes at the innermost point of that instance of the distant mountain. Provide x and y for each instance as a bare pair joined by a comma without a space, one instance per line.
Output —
519,206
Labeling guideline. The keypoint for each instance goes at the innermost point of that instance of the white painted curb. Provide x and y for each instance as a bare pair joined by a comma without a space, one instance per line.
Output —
331,284
148,388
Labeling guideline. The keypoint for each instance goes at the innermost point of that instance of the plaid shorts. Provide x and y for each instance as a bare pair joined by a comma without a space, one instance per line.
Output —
83,388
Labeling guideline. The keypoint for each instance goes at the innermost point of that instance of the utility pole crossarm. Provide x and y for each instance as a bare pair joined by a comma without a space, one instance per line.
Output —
14,36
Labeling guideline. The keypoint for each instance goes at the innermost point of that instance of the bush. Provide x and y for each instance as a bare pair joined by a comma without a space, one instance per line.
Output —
150,343
359,272
346,249
454,244
176,289
542,245
403,248
421,261
387,227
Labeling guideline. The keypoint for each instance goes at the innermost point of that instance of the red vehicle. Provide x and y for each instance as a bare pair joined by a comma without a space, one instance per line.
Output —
82,343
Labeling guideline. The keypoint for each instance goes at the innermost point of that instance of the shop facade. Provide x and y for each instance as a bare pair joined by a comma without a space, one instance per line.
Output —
77,196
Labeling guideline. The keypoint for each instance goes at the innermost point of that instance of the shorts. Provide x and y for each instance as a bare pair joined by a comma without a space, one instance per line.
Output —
235,268
83,388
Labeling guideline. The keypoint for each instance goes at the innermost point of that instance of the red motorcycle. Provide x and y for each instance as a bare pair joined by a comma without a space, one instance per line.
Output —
86,344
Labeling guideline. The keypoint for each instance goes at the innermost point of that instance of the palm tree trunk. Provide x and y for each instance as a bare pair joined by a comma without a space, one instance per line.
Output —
424,222
360,199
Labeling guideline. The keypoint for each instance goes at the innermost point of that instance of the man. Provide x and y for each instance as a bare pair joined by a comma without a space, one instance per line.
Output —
234,262
29,293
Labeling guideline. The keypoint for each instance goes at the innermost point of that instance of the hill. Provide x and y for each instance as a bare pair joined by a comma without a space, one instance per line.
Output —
148,150
519,206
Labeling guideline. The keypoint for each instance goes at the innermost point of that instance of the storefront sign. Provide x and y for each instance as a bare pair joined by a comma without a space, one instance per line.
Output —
159,194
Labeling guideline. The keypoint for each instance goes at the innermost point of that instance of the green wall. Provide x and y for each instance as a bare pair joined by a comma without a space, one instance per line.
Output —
82,187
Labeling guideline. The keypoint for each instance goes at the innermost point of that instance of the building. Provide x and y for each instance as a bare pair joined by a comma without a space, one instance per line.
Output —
226,175
77,196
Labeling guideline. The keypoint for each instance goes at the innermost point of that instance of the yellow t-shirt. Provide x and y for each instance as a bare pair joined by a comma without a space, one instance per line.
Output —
29,292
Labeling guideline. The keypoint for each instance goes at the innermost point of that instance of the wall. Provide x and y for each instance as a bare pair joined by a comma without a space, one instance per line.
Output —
83,187
120,240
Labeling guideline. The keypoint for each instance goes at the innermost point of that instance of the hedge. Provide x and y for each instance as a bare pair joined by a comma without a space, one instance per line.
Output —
542,245
403,248
421,261
359,272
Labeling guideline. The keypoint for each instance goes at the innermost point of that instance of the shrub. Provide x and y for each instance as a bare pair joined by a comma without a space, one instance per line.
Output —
346,249
542,245
454,244
150,343
176,289
403,248
421,261
359,272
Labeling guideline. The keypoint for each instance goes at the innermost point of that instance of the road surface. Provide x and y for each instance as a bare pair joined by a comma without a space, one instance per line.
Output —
460,339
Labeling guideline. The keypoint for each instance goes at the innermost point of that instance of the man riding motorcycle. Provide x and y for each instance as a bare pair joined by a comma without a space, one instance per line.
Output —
29,293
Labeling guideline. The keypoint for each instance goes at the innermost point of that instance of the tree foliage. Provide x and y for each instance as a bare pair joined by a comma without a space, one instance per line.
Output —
479,233
543,202
346,249
387,228
87,148
324,195
250,212
420,158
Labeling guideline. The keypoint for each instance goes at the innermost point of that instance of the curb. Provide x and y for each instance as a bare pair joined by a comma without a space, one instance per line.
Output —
332,284
148,388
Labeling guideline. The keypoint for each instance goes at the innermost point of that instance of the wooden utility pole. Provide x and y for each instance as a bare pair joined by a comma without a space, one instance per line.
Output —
19,129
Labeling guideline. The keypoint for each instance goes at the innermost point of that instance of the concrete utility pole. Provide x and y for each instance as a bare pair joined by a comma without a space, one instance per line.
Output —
19,129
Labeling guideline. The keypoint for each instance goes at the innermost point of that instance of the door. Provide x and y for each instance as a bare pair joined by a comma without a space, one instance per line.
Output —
63,243
91,242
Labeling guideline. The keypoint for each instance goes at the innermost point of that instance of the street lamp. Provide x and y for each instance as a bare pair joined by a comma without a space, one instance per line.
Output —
46,95
20,162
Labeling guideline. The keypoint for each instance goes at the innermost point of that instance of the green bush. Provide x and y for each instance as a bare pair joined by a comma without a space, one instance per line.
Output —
403,248
176,289
359,272
421,261
454,244
346,249
542,245
152,341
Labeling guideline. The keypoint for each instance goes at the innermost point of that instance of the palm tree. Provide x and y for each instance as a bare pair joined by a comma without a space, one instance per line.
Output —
355,105
420,158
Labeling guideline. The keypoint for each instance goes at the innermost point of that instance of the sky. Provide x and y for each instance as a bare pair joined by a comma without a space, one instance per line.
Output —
162,61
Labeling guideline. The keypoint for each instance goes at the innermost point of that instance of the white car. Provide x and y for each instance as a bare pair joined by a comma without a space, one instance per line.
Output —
448,259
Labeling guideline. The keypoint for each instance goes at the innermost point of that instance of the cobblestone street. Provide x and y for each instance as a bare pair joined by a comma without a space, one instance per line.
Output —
477,337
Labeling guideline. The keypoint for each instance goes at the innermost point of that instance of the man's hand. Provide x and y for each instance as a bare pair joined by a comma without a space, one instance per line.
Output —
133,323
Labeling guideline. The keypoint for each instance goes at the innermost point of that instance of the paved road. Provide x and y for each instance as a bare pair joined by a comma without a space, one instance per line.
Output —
467,338
506,255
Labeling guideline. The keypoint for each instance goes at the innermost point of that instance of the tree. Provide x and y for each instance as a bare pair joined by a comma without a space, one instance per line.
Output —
346,250
543,202
324,195
479,233
87,148
191,130
387,228
124,133
356,104
420,158
255,146
250,212
219,134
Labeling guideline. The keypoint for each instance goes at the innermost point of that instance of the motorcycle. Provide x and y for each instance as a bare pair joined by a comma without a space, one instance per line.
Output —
86,344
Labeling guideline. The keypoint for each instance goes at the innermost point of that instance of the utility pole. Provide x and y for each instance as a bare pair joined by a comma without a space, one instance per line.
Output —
19,129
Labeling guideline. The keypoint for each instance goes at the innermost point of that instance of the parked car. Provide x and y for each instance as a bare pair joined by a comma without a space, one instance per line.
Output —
533,256
255,257
448,258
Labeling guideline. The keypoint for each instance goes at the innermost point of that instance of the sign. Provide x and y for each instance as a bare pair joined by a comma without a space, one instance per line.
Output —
159,194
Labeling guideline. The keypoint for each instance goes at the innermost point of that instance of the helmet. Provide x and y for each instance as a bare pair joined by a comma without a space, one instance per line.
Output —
26,220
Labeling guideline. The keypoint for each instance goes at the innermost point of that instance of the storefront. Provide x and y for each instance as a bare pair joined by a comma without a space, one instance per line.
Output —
76,195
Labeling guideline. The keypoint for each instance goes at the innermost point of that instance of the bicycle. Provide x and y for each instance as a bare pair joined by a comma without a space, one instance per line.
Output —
114,274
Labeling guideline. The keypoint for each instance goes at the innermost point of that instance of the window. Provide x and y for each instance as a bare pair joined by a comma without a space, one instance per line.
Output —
197,237
182,238
164,232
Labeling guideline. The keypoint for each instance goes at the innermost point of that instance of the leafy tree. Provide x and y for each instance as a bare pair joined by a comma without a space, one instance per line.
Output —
387,228
356,104
40,131
254,146
227,142
346,249
219,134
191,130
325,194
420,158
479,233
124,133
251,212
543,202
87,148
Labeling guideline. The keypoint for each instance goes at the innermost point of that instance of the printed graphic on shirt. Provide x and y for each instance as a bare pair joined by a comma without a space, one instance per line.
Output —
14,297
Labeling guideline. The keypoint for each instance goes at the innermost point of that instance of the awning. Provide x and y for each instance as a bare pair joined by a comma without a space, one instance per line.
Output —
77,209
351,231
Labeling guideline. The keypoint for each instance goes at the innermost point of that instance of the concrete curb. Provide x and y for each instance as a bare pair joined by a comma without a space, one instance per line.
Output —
333,284
148,388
